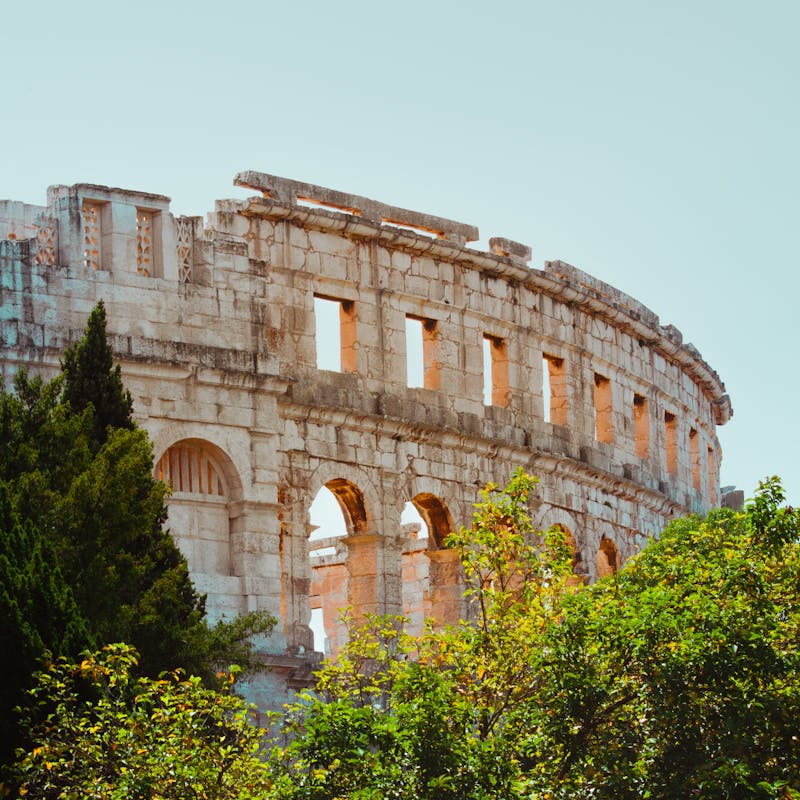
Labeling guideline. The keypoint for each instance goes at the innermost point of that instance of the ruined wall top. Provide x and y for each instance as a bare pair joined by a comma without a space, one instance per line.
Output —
288,199
283,190
348,215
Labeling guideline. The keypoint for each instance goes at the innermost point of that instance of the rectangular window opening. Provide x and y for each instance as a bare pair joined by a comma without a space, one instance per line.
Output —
422,353
335,322
495,371
694,457
603,417
671,433
554,389
641,424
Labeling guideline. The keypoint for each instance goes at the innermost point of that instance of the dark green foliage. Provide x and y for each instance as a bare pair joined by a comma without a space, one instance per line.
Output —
102,515
84,557
37,611
91,378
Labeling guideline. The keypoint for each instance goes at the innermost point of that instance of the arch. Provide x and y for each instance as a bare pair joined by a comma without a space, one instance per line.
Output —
230,457
607,558
436,516
340,575
204,483
578,569
329,585
191,466
326,518
553,517
351,501
353,490
432,587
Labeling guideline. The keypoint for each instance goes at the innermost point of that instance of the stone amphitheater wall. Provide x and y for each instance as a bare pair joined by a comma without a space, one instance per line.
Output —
214,325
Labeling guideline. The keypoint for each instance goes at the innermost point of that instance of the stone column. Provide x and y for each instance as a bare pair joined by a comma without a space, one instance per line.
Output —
362,570
256,559
445,595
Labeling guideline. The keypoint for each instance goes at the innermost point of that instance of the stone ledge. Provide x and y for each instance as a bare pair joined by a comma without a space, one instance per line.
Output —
659,501
288,191
510,249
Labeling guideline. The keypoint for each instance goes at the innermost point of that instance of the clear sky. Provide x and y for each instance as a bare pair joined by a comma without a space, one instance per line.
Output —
654,145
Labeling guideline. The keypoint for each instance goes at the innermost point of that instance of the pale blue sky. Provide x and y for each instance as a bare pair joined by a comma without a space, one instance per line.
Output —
654,145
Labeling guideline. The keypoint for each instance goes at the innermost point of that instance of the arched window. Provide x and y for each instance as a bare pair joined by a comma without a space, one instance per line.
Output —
431,578
328,582
607,559
198,508
189,467
579,573
339,577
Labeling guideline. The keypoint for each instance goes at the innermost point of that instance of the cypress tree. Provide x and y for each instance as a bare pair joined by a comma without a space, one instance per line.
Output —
38,614
84,557
90,377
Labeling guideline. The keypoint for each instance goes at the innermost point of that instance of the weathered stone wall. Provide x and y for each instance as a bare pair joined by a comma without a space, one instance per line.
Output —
214,326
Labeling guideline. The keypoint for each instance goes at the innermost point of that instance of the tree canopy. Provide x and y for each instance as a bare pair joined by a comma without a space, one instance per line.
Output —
92,378
104,731
676,677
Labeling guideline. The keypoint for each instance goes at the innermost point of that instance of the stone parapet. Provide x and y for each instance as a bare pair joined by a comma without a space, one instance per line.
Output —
286,191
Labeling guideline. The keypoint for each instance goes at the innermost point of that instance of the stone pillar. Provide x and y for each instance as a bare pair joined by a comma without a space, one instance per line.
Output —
256,558
362,570
445,595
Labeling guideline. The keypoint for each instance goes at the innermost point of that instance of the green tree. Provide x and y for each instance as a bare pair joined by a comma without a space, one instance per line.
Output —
385,723
426,717
680,677
677,677
91,378
101,730
38,611
102,514
81,524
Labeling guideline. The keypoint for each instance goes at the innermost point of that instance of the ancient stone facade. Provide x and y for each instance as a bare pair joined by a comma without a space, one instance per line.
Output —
217,328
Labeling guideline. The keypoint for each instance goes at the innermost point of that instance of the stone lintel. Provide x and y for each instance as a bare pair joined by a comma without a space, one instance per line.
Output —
359,539
99,192
511,249
324,542
287,191
284,663
444,555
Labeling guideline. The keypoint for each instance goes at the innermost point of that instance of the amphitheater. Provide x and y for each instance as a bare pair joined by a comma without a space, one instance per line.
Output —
306,338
